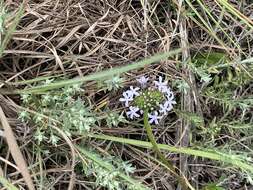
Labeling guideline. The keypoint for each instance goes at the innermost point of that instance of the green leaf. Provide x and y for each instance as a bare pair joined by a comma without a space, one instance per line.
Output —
11,30
210,59
214,155
192,117
213,187
6,184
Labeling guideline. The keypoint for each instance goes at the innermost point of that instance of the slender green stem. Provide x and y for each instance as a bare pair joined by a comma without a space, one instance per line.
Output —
155,146
163,159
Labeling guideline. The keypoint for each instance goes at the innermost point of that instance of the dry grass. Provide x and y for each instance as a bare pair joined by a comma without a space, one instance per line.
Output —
74,38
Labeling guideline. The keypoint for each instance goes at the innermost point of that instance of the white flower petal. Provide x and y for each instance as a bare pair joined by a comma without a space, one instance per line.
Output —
143,80
133,91
161,86
166,107
154,118
126,98
133,112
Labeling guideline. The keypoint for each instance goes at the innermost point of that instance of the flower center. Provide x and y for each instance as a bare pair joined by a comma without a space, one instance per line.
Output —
149,99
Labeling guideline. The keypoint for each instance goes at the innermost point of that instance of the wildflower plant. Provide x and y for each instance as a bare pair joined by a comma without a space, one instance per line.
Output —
62,107
110,179
114,83
110,172
152,100
113,119
156,99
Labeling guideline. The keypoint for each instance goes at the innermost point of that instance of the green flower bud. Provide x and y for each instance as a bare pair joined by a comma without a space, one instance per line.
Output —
149,99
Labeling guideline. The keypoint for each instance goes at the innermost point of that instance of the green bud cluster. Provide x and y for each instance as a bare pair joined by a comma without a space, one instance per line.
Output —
149,99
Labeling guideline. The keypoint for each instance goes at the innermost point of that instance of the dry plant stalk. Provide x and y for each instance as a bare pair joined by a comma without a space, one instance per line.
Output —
15,151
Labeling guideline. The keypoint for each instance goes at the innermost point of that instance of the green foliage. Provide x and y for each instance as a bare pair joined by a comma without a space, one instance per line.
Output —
113,119
223,157
3,15
210,59
213,187
204,76
66,108
114,83
7,33
110,172
96,76
181,85
221,79
57,108
7,184
194,118
105,178
212,130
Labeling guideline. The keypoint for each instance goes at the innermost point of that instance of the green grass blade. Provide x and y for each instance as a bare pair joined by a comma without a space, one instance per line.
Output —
7,184
109,167
99,75
217,23
11,30
235,12
206,27
214,155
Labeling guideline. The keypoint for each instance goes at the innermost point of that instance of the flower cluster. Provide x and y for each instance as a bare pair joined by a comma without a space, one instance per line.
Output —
155,98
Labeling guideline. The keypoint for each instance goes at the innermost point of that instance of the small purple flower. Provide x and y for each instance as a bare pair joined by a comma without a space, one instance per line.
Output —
132,112
161,86
157,100
166,107
143,80
126,98
154,118
133,91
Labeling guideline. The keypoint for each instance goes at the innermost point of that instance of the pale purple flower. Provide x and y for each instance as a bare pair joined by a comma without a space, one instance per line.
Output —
158,110
162,86
163,89
143,80
133,112
126,98
154,118
166,107
133,91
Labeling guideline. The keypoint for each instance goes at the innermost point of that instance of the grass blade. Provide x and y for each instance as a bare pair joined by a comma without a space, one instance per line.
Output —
15,151
235,12
11,30
99,75
7,184
206,26
108,167
217,23
226,158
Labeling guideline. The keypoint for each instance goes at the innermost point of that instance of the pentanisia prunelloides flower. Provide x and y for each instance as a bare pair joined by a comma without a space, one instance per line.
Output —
156,98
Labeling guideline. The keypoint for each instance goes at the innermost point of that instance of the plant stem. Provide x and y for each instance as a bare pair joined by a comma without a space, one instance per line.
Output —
163,159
